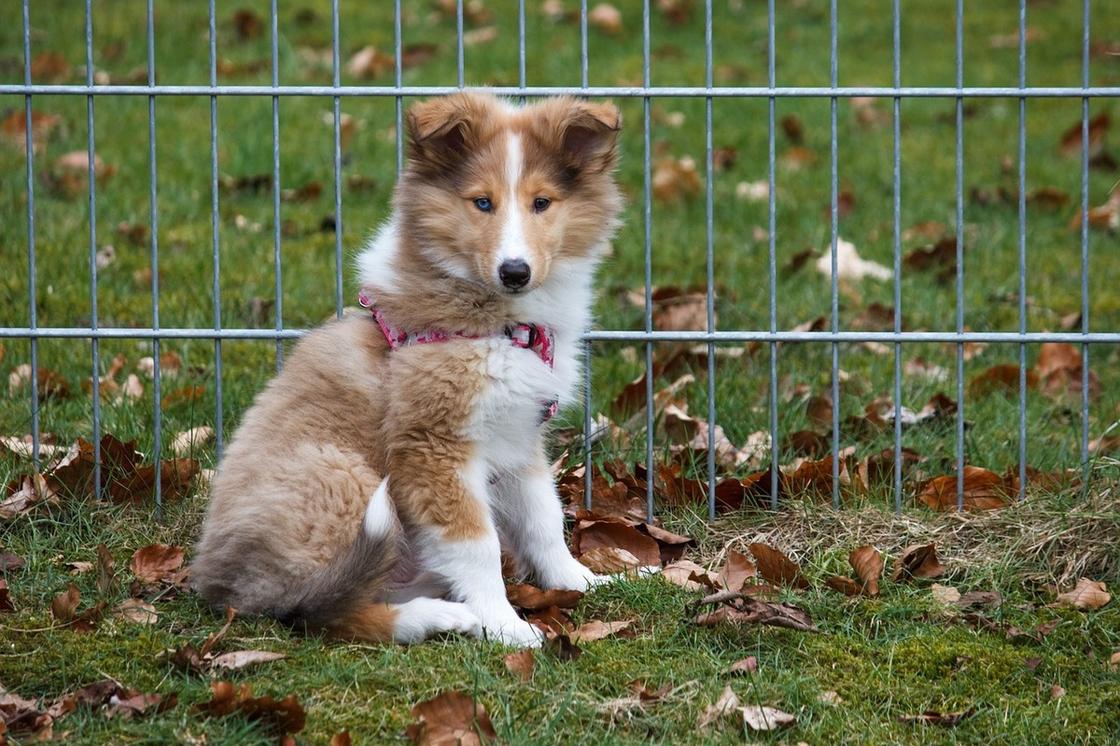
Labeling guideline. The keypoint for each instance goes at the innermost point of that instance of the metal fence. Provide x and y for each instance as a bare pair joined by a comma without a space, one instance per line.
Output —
647,92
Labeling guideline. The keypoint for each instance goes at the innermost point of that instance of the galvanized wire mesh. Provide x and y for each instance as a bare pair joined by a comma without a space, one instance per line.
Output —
648,336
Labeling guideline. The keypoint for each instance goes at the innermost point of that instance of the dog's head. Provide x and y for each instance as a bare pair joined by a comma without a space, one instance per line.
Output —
501,196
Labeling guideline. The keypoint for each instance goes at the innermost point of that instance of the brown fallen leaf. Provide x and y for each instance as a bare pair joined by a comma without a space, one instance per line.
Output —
946,595
157,562
279,717
726,705
843,584
597,630
739,608
521,664
106,570
917,561
1087,595
531,598
11,562
932,717
136,610
589,534
64,608
51,384
6,604
13,129
452,717
736,570
248,24
979,599
763,718
1071,140
983,490
850,265
606,18
238,659
609,560
775,567
675,179
1105,216
690,576
868,564
746,665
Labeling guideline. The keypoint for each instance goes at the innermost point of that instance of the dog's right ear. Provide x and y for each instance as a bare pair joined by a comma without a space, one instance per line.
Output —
441,129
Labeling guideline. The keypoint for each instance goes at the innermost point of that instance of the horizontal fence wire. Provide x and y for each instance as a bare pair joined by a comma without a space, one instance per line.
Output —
648,335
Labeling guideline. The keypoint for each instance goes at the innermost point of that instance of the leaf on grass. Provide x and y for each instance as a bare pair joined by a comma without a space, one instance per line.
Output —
763,718
726,705
675,179
917,561
453,717
597,630
248,24
157,562
238,659
606,18
1071,142
736,570
106,574
843,584
531,598
932,717
775,567
609,560
1086,595
279,717
590,534
136,610
739,608
11,562
868,564
1059,371
746,665
51,384
342,738
945,594
979,599
6,604
983,490
64,610
553,621
521,664
689,575
819,411
850,265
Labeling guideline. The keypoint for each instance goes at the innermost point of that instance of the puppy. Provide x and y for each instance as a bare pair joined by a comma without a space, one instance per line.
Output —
373,485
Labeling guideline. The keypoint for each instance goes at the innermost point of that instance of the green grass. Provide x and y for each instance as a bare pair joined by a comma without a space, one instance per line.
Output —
882,656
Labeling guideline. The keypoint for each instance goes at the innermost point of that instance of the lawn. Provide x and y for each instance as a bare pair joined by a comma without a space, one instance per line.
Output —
887,657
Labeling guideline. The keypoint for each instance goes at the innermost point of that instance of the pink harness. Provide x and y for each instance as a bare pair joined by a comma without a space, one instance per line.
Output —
535,337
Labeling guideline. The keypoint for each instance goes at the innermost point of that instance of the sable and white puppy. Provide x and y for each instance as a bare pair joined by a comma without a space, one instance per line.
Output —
373,485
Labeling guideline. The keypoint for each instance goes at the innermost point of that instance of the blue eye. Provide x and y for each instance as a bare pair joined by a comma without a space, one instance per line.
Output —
484,204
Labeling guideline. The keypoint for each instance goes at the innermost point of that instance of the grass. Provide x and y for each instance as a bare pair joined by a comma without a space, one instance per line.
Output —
888,657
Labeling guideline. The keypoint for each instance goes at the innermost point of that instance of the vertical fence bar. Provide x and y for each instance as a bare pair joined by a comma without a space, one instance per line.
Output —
648,256
279,284
1022,250
95,350
398,72
1085,15
896,14
588,466
459,41
960,254
521,45
215,237
709,209
336,77
775,454
32,294
833,78
153,218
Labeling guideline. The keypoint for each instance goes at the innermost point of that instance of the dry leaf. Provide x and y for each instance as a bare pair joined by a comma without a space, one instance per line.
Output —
690,576
611,532
945,594
1086,595
156,562
849,264
609,560
868,564
675,178
983,490
137,610
597,630
738,608
531,598
477,36
726,705
369,62
736,570
521,664
242,658
452,717
762,718
932,717
777,568
606,18
6,604
747,665
277,717
187,442
917,561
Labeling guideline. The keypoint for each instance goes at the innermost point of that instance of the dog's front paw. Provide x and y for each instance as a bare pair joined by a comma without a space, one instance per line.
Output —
515,632
570,575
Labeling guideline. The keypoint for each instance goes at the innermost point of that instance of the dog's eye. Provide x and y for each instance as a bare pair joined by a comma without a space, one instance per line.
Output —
540,204
484,204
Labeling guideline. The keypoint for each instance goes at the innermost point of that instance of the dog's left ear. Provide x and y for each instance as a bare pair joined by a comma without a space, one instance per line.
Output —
590,135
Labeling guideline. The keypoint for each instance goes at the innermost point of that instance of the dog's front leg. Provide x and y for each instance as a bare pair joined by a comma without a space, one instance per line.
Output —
532,521
449,516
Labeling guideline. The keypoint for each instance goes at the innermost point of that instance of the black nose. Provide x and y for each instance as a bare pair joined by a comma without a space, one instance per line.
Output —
514,273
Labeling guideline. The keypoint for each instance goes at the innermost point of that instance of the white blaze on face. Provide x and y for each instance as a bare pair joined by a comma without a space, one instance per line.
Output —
512,242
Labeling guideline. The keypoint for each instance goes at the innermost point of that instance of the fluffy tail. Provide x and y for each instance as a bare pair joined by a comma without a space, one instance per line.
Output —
339,597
